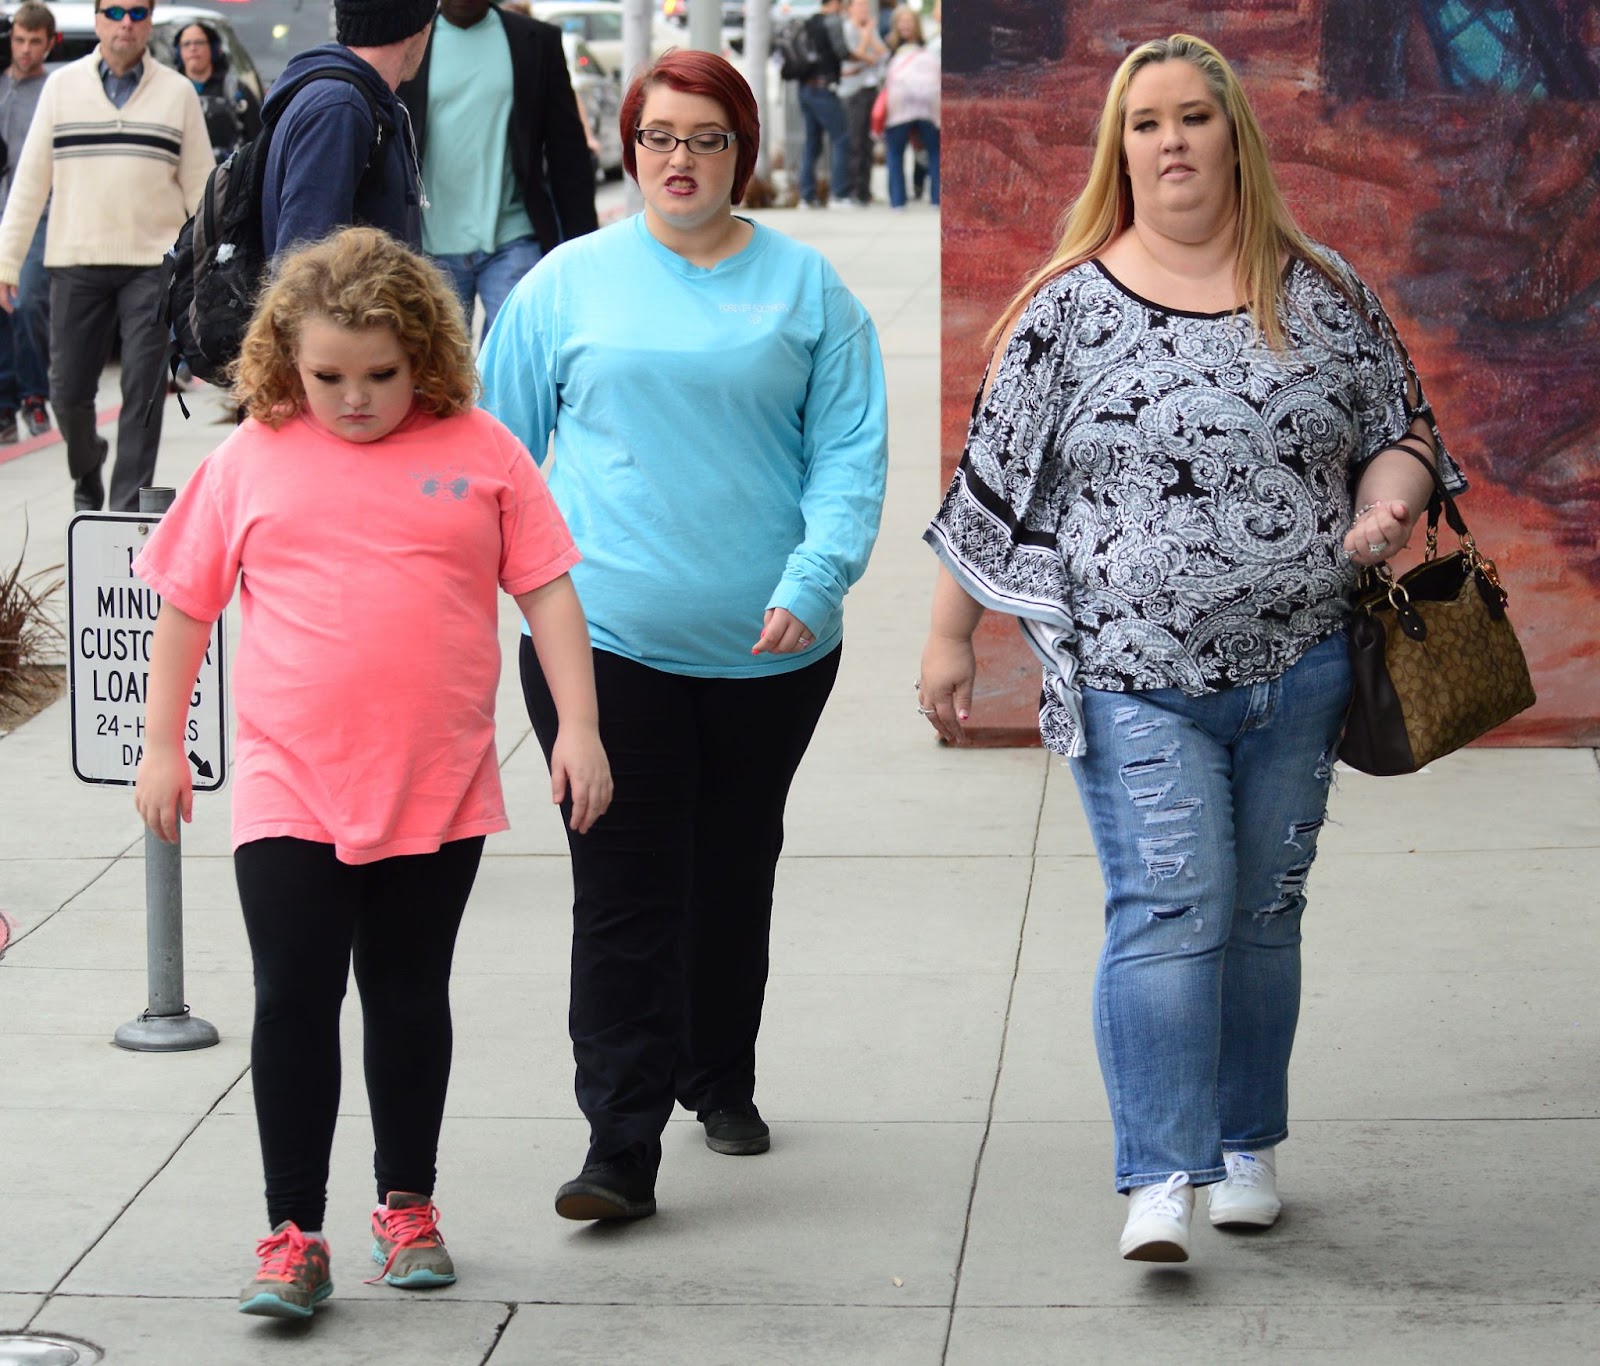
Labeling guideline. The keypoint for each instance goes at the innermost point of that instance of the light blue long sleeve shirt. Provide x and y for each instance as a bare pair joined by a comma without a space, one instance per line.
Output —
720,440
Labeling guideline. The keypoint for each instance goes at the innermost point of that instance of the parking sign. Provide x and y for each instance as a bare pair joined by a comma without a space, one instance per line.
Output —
111,616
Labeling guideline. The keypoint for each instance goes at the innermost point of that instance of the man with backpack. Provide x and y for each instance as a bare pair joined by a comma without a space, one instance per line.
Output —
118,145
342,152
335,150
817,49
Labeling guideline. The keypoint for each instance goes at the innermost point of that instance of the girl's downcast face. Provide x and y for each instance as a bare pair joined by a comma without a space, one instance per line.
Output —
357,381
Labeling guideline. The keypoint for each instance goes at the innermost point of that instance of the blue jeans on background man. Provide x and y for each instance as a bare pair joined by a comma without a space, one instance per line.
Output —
823,111
895,138
25,332
1205,812
490,275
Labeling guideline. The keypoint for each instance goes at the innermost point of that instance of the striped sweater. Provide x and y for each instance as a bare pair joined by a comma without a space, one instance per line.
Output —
124,180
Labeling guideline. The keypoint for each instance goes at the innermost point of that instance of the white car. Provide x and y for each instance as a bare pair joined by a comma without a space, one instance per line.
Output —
599,24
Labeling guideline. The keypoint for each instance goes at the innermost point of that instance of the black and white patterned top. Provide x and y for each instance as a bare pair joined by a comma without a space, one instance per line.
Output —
1159,496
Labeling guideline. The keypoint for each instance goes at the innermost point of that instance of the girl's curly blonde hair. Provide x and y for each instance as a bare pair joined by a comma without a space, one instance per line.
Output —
356,278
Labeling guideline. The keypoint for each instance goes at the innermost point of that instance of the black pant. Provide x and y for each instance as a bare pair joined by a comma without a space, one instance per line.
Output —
673,888
307,914
858,115
88,306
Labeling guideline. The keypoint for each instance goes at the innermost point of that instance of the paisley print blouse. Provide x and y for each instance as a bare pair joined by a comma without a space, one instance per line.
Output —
1160,497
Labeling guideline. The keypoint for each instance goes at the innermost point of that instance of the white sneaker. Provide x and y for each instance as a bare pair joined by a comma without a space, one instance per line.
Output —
1248,1198
1158,1221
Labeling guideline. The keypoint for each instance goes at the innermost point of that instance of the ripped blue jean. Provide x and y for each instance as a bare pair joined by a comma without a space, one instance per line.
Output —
1205,813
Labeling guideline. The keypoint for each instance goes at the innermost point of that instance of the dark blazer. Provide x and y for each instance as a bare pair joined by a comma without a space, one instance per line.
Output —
545,132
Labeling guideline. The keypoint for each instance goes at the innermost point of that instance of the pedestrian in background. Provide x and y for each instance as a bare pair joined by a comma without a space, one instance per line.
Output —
822,110
360,808
912,82
342,150
502,149
1197,426
861,75
25,332
233,113
118,201
717,401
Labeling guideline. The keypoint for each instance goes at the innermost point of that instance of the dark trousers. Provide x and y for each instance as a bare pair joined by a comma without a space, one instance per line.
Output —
24,333
88,306
672,888
308,916
858,118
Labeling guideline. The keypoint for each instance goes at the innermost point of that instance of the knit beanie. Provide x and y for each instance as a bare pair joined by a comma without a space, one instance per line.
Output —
377,23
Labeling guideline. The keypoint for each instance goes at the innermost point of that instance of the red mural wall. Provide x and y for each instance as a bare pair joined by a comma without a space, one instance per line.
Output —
1449,148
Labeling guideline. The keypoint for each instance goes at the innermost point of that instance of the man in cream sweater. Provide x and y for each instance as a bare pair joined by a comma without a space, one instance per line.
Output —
121,143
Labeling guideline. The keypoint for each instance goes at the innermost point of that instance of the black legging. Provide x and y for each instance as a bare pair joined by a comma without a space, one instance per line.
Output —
673,885
308,916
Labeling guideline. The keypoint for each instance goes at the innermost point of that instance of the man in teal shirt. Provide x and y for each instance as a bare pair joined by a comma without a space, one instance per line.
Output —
494,114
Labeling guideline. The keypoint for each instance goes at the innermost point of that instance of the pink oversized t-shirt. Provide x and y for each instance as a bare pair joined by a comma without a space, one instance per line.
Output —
369,656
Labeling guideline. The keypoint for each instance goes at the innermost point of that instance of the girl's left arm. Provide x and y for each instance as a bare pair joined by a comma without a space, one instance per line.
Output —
846,463
578,764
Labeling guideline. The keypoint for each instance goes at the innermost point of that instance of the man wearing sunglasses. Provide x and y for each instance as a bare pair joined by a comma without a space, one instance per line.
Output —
118,145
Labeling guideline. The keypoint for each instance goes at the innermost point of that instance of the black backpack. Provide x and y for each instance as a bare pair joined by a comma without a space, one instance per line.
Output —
798,54
219,259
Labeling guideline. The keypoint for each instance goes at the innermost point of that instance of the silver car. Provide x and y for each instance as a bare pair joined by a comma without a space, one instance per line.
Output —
600,95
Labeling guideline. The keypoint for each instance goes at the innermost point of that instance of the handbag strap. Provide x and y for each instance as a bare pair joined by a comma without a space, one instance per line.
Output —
1440,497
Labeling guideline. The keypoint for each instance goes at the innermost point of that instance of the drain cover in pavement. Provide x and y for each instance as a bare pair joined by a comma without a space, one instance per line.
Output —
26,1349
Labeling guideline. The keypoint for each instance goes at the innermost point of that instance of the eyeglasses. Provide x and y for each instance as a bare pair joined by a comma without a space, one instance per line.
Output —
117,13
703,144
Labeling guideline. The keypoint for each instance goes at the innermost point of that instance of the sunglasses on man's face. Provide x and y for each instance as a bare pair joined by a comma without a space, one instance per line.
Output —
117,13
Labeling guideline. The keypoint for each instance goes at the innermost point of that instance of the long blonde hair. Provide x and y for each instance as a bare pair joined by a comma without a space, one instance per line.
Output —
1104,207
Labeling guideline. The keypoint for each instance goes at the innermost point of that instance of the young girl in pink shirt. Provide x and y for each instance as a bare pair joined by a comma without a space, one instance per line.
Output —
368,515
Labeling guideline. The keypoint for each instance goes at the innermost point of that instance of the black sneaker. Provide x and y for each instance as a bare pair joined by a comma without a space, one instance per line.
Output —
8,429
36,415
608,1190
738,1133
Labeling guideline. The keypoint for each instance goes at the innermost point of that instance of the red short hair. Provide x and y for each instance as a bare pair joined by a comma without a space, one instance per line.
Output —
697,73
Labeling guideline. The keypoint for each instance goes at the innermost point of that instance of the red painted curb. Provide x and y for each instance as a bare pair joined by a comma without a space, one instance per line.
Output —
51,437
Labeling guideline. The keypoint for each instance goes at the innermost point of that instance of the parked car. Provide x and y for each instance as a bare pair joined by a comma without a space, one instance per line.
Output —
597,90
75,24
677,12
599,24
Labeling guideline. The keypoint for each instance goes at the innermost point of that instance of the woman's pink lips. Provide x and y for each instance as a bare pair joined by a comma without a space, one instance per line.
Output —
681,185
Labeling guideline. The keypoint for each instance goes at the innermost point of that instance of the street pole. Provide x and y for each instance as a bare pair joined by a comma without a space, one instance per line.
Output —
705,25
166,1026
636,16
757,55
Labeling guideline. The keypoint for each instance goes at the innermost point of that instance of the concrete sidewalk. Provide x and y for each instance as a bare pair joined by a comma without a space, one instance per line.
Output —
939,1188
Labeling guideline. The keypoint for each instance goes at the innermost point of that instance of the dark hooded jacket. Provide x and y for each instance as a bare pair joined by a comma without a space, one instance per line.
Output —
318,177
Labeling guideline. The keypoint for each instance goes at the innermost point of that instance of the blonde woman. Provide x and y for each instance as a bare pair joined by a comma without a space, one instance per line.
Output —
1197,425
913,105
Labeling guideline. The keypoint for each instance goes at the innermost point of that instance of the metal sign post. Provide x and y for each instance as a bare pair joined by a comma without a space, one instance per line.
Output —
111,616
